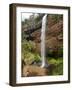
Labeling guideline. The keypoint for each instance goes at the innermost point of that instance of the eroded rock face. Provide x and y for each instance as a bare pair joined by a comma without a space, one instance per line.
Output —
32,70
54,36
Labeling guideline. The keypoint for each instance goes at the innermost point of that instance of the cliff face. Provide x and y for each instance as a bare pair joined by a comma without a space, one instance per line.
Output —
54,36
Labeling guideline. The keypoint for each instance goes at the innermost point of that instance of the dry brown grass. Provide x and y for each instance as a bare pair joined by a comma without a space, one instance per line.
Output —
32,70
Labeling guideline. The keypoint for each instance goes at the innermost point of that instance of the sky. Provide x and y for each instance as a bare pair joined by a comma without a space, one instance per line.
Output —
25,16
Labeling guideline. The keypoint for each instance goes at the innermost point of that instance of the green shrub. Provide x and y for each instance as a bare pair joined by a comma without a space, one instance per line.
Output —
37,57
28,52
58,70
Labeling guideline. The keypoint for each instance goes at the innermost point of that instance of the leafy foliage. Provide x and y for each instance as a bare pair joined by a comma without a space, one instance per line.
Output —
58,70
28,52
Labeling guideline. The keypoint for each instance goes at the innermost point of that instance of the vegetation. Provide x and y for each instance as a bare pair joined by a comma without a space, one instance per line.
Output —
58,65
28,52
29,47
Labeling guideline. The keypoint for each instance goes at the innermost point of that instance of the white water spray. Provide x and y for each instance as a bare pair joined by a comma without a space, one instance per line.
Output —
43,40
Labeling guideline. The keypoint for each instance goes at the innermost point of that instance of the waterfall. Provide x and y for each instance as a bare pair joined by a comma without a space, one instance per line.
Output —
43,40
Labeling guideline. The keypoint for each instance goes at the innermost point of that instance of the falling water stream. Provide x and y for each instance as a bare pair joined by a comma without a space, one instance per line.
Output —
43,40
